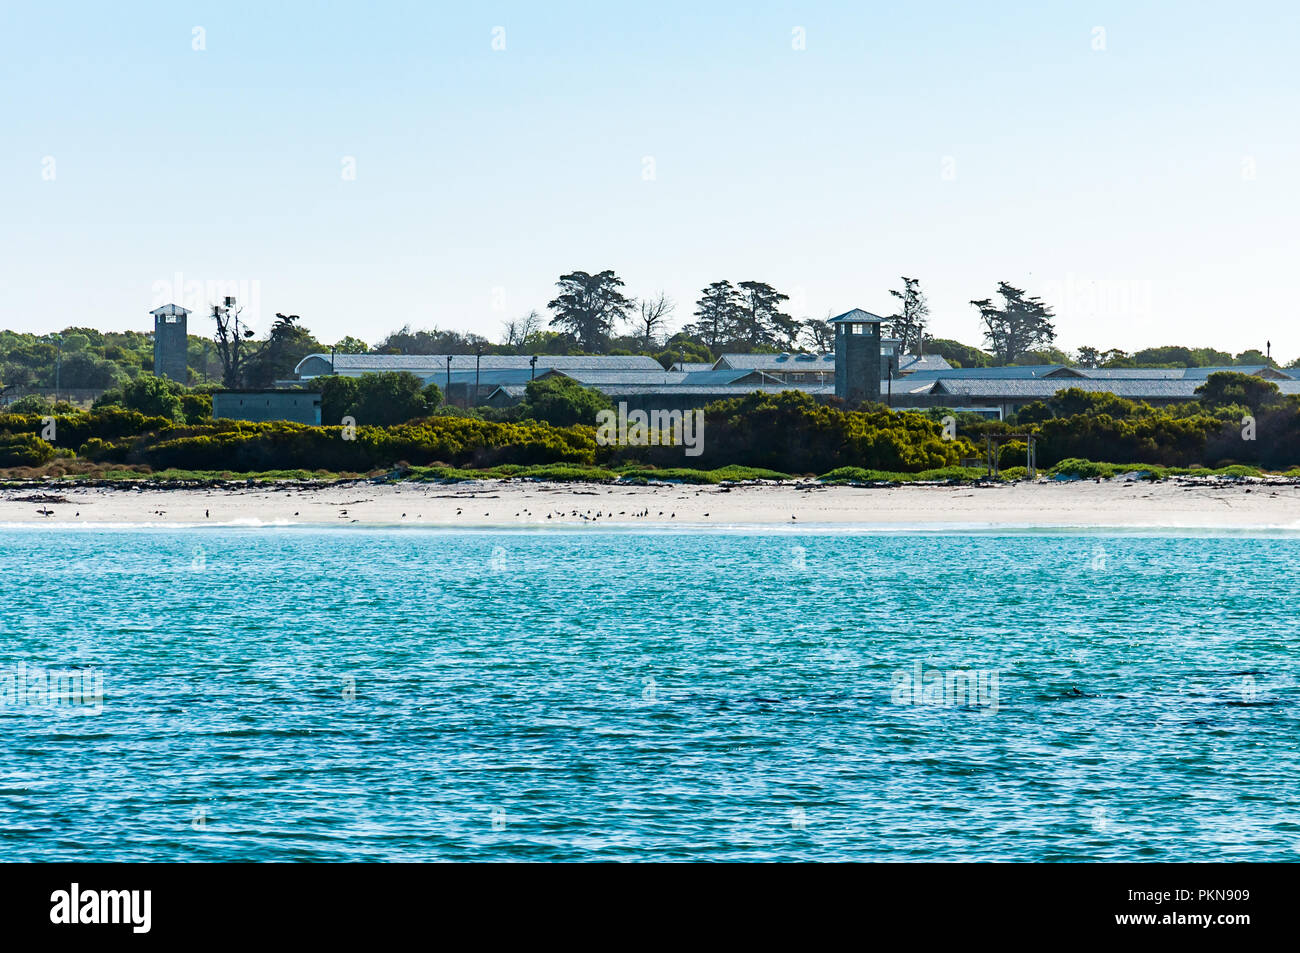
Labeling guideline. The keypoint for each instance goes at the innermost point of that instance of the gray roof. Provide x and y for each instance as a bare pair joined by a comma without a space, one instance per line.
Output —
717,390
1178,373
594,376
724,376
1132,373
691,367
599,378
1042,389
1027,372
429,363
169,309
856,316
721,390
1259,370
777,362
914,364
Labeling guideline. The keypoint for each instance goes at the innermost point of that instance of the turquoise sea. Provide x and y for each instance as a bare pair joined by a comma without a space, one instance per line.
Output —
351,694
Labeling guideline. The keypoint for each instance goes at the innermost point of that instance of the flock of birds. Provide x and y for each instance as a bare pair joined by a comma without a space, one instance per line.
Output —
584,515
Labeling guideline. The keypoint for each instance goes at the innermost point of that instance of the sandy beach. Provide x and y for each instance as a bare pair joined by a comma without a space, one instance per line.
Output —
1112,503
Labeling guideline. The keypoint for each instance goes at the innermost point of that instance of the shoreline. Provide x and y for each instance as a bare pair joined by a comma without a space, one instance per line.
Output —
1177,504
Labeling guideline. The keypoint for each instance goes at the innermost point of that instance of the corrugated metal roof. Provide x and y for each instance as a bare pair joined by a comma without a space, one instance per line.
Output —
912,364
431,363
1132,373
595,376
712,378
1259,370
1028,372
722,390
777,362
1042,389
1179,373
856,315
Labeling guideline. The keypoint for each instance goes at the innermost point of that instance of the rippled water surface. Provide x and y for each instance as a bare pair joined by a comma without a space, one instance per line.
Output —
304,694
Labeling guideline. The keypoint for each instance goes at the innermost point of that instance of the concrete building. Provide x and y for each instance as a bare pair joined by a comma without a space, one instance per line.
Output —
298,406
902,381
171,342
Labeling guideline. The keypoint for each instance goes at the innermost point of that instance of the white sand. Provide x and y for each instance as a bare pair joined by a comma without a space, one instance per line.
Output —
1116,503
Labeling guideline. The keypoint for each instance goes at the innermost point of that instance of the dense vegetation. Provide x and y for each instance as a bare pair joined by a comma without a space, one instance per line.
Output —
787,432
150,423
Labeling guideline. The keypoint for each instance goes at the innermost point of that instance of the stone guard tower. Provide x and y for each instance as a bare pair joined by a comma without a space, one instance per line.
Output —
170,342
857,356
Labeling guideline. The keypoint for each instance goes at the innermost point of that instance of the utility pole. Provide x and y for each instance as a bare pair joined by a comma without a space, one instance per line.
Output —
478,359
449,377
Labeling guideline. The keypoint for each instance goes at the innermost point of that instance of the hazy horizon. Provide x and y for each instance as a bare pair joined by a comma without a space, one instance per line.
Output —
1134,168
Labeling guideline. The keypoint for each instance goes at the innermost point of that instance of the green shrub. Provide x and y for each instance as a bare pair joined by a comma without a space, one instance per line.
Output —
24,450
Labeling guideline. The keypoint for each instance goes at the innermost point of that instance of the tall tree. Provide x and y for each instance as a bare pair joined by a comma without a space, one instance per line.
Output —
1087,356
589,307
517,331
234,346
760,321
652,314
1022,323
351,345
717,314
286,344
908,323
432,341
819,334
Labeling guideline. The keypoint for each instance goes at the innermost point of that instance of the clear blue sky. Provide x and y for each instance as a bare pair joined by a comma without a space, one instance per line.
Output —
1150,190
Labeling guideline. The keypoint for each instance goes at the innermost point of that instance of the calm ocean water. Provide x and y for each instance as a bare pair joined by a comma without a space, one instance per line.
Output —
330,695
